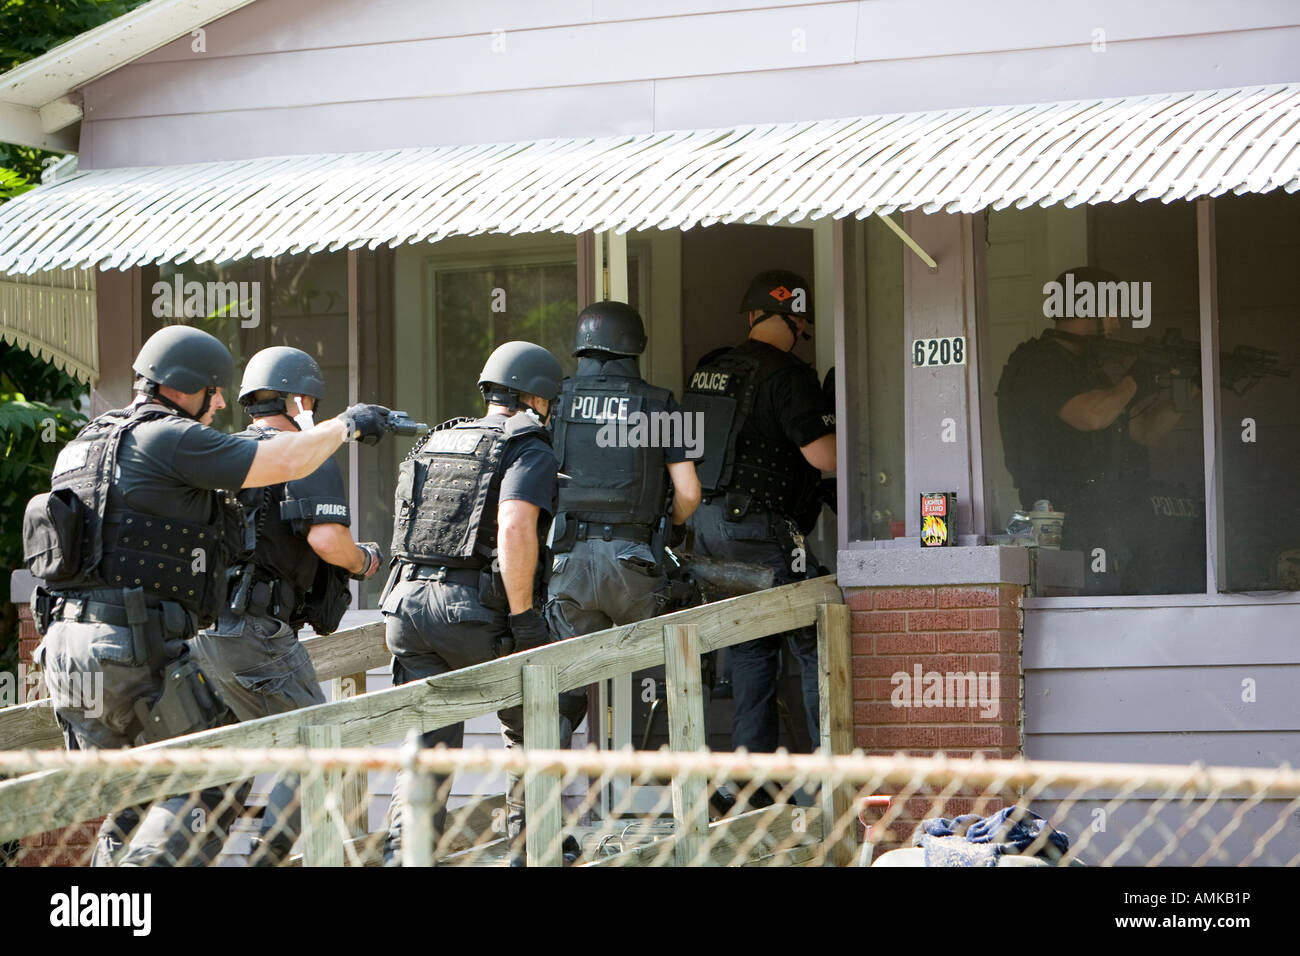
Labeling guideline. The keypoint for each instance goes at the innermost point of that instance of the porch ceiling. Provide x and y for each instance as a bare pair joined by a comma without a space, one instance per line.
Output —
1164,146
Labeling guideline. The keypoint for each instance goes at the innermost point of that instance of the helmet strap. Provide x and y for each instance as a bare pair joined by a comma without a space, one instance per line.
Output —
790,324
268,406
500,395
150,390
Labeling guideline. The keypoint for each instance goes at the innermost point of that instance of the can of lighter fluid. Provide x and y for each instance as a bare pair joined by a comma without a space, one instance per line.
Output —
938,519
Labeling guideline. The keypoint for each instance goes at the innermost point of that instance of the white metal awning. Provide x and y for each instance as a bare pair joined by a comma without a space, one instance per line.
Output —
1167,146
52,314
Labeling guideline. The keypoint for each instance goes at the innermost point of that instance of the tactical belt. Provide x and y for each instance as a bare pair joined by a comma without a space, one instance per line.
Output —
469,577
585,530
97,612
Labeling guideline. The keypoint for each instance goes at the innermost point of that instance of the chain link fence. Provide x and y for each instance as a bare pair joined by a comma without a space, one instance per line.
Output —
326,807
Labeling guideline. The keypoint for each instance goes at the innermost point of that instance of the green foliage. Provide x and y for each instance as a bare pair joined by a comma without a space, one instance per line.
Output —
37,418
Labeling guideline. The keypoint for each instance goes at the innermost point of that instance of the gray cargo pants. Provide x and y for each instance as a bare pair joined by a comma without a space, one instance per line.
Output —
257,667
96,673
433,627
755,665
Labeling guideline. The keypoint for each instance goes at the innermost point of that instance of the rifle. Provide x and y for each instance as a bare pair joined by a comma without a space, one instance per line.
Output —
1239,370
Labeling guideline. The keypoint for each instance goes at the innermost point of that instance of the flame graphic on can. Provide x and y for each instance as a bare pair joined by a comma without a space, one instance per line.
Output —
934,531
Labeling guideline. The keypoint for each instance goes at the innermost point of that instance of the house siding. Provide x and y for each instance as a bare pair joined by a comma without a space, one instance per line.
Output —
288,76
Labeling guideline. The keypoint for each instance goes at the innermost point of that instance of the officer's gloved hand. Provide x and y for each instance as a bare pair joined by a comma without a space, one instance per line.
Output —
677,536
529,630
374,558
1145,373
365,423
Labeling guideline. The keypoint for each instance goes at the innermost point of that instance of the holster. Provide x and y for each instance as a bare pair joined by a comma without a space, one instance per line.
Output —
42,608
566,534
659,540
491,589
186,705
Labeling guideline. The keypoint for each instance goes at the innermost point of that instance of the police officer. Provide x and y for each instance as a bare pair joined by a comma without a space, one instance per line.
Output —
132,541
1076,437
301,554
473,507
768,433
624,496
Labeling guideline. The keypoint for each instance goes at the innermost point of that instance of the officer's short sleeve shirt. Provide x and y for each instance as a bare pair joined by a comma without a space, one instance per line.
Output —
675,451
791,404
528,472
323,493
169,465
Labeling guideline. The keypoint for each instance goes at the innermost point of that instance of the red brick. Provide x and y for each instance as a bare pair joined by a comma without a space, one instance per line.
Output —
969,597
79,834
899,738
53,856
905,644
874,622
953,715
873,713
884,666
937,620
862,644
858,599
860,665
963,738
1006,665
887,598
864,737
995,618
885,687
977,642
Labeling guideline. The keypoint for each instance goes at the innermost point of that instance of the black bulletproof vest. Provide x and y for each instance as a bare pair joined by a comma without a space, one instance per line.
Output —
444,490
279,553
737,457
170,559
610,431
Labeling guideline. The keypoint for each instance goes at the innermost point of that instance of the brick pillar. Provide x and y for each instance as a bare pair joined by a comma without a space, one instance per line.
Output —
73,845
945,630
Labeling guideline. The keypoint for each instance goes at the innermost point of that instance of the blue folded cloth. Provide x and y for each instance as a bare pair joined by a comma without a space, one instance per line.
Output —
969,840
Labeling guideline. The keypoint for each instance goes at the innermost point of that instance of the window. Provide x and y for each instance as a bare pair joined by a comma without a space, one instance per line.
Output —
874,354
1258,245
1125,468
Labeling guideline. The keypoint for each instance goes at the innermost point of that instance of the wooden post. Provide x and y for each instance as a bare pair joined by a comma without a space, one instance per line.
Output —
356,806
835,695
686,732
417,806
542,790
322,844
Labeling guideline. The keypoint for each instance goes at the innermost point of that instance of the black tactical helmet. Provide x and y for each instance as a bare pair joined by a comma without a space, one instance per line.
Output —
521,367
186,359
282,369
612,327
779,292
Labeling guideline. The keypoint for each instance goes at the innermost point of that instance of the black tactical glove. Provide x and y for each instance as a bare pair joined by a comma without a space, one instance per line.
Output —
529,630
374,558
677,536
366,423
1144,372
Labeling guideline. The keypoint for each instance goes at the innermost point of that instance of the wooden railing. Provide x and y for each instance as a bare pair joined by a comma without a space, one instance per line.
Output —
43,801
